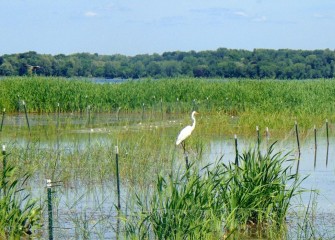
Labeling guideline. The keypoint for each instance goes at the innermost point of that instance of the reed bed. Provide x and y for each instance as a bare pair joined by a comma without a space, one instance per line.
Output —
235,96
85,159
20,214
75,146
238,200
275,103
80,152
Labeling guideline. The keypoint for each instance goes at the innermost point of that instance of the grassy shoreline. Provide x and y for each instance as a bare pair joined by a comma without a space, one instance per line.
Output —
275,104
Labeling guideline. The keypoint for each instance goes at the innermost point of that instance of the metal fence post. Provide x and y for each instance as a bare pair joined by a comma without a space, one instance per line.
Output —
50,227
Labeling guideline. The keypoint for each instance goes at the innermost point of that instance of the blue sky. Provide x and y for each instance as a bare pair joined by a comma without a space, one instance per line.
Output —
131,27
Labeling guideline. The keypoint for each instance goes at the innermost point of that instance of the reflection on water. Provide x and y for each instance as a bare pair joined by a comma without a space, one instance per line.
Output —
316,163
92,206
312,164
80,207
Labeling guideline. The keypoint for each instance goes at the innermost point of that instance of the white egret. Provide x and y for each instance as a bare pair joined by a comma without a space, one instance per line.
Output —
186,132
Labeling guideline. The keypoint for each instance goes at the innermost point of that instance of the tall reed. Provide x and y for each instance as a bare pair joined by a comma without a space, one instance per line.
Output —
177,209
267,103
20,215
220,200
257,193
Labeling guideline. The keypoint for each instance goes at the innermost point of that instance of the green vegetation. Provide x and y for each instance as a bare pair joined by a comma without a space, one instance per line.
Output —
258,191
222,63
268,103
86,161
221,200
20,215
176,209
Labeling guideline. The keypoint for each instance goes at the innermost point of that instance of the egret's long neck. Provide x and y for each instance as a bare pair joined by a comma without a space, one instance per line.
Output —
193,124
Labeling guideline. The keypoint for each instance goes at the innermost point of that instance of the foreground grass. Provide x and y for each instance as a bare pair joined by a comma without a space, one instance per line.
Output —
20,215
235,200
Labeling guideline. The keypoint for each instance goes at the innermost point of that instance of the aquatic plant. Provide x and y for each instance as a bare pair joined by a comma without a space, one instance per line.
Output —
177,209
20,215
267,103
229,200
256,193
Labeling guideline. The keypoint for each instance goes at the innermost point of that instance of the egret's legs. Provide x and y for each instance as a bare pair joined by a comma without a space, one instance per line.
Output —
185,153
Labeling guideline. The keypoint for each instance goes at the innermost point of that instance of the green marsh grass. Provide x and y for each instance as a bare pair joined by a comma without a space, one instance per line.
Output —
176,209
274,103
257,193
229,201
20,215
88,158
146,139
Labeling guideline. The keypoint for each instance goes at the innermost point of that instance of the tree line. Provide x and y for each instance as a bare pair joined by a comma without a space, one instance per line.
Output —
220,63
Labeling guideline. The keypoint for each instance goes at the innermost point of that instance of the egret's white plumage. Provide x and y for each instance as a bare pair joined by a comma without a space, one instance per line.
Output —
186,132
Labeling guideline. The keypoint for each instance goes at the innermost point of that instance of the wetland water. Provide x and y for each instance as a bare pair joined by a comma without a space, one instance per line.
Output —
88,207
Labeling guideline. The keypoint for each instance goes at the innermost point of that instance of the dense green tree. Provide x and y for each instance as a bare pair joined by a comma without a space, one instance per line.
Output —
110,70
201,71
138,70
153,69
267,70
98,68
299,70
46,62
226,63
6,69
171,68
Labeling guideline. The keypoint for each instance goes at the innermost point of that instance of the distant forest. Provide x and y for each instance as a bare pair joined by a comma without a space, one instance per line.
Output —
222,63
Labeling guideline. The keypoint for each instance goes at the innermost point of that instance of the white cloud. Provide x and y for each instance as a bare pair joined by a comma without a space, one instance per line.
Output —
90,14
260,19
241,13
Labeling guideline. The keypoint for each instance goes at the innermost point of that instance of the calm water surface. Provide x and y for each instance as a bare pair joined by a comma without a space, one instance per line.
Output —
93,207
